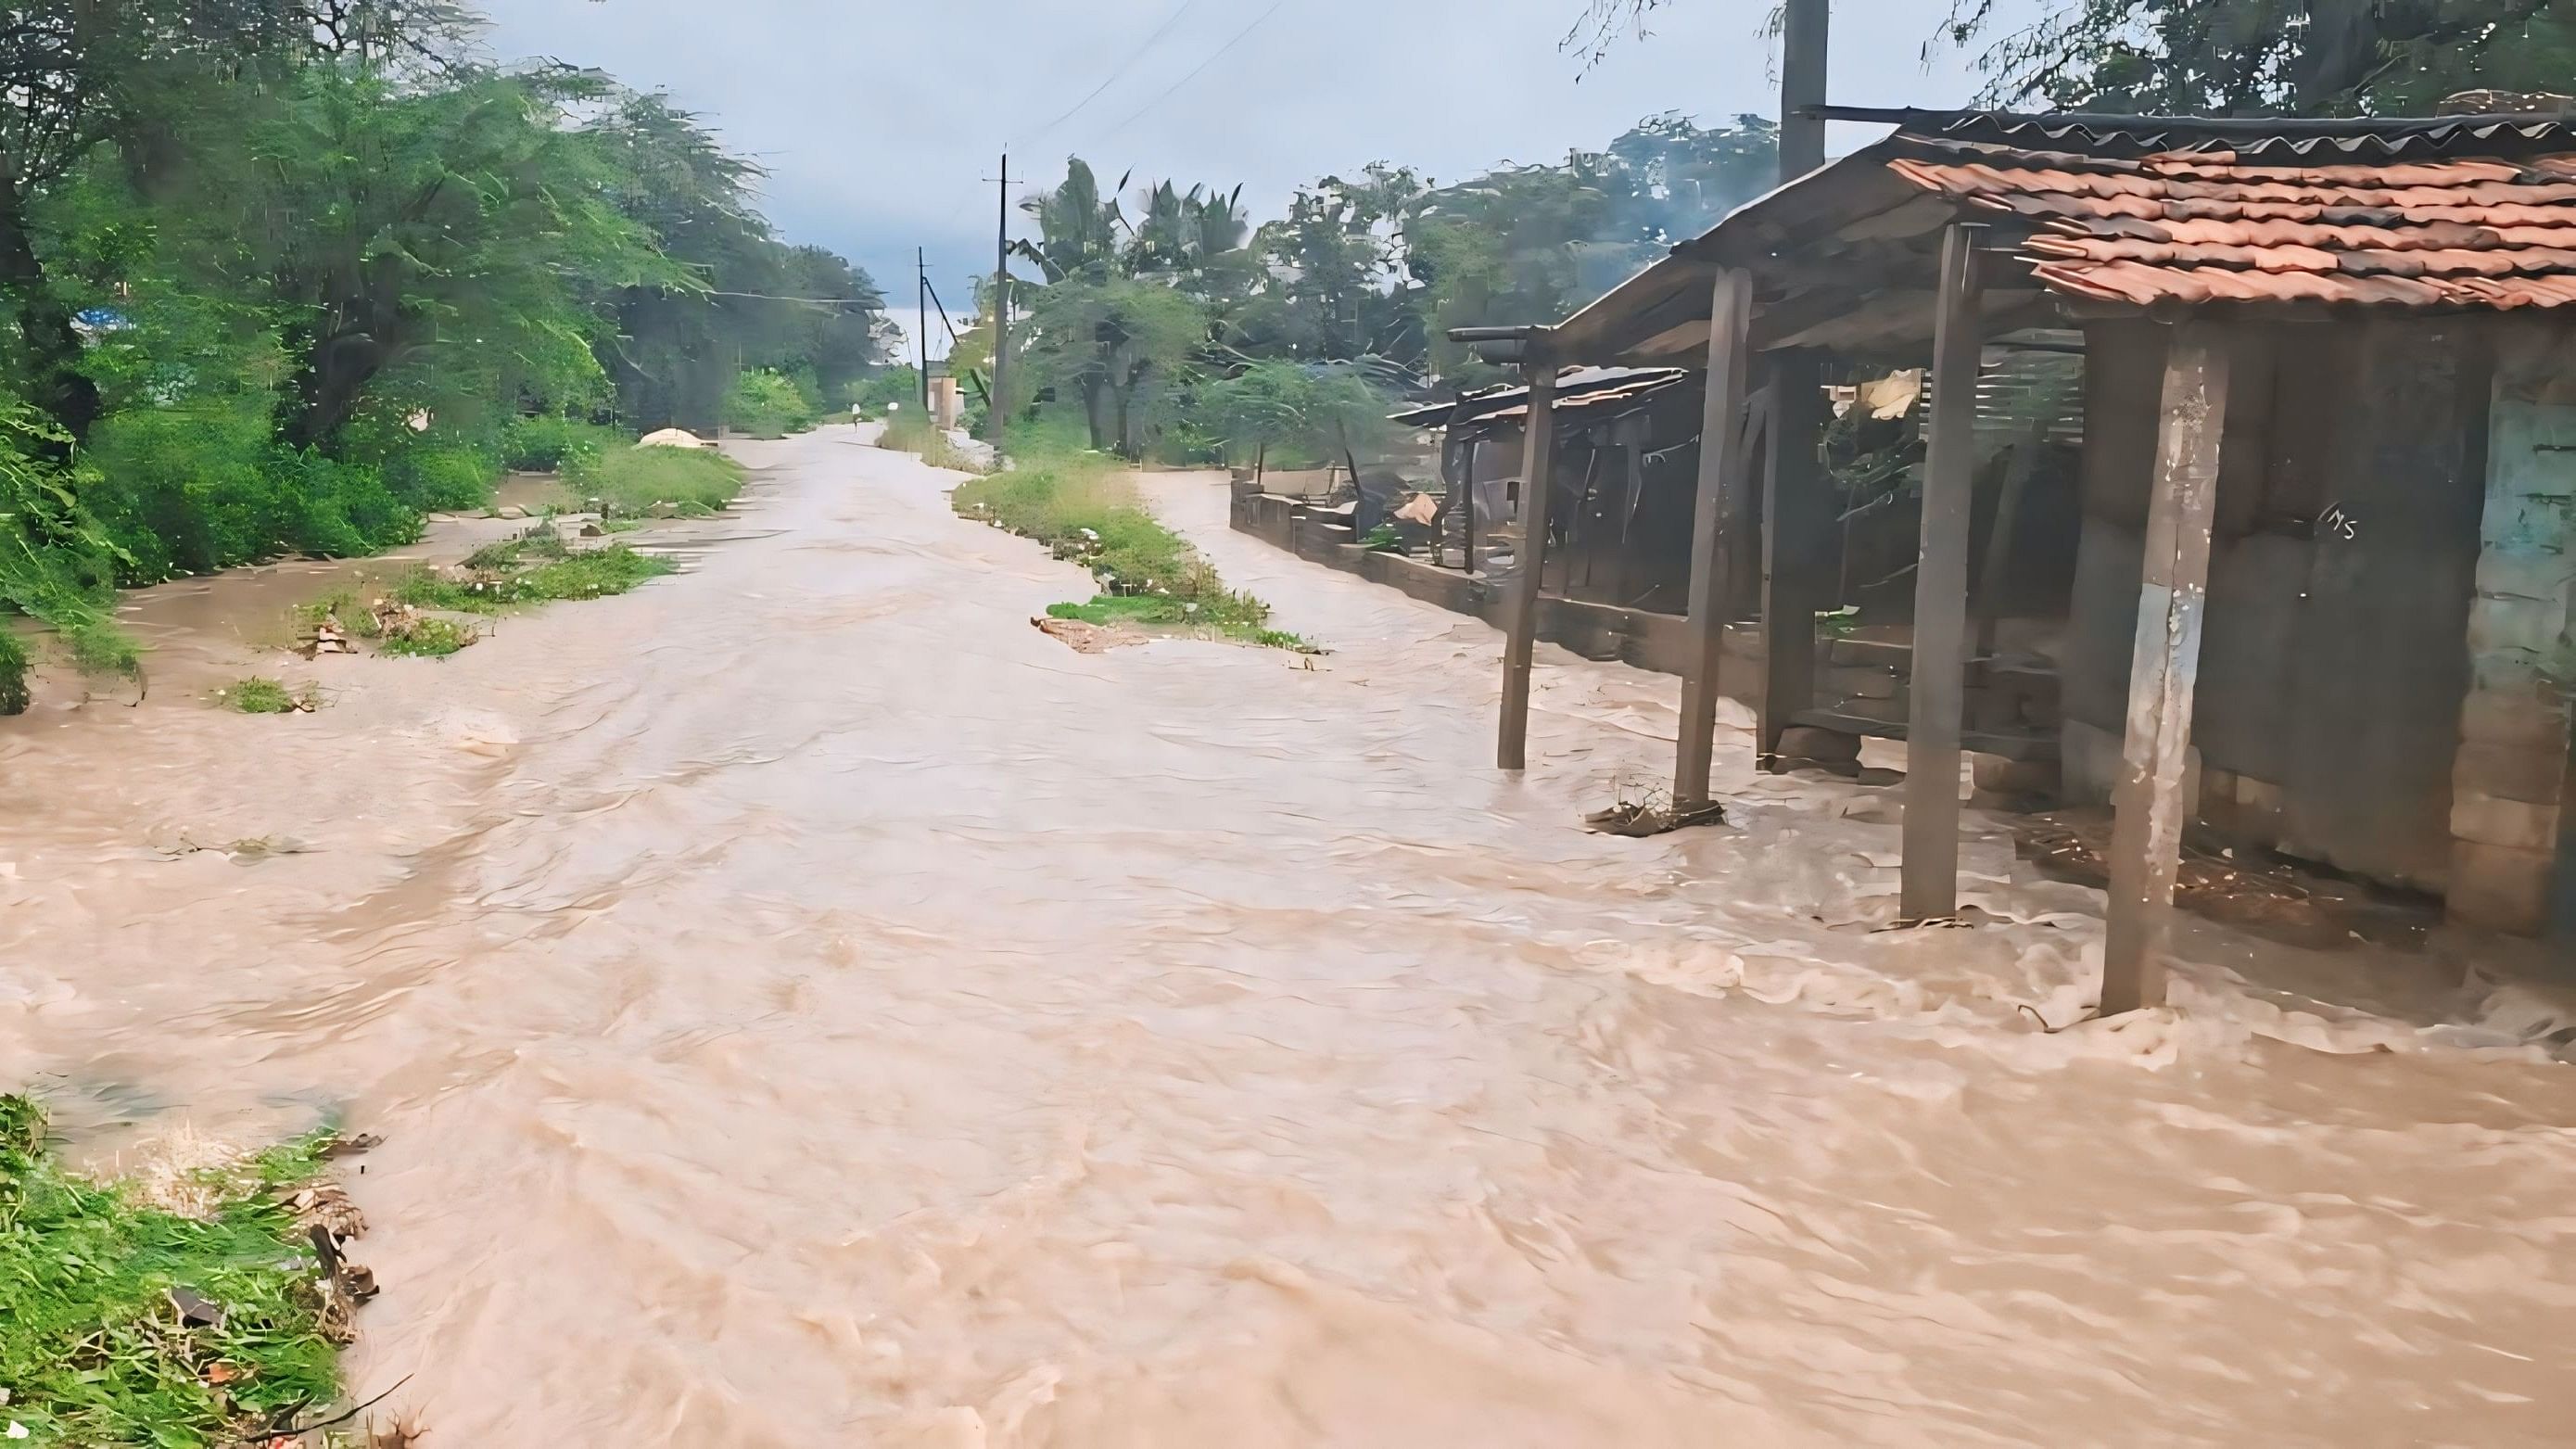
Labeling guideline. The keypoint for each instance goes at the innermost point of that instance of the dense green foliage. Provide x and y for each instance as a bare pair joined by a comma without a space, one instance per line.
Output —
2294,57
278,280
2228,57
1183,331
88,1346
769,405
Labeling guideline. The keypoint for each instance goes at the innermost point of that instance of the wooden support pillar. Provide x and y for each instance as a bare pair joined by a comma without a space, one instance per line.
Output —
1803,26
1797,537
1989,597
1715,518
1520,618
1929,890
2146,839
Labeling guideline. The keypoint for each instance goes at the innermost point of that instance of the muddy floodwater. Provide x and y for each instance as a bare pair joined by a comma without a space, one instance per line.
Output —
806,1005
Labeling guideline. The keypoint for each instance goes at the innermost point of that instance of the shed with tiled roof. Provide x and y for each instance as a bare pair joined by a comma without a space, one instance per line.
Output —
2328,387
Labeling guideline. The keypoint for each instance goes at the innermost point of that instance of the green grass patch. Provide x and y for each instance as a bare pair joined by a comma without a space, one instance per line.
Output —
425,637
402,616
911,432
1086,510
262,695
93,1349
637,482
491,587
1239,616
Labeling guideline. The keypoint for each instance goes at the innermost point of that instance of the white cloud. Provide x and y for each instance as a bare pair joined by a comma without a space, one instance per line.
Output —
881,123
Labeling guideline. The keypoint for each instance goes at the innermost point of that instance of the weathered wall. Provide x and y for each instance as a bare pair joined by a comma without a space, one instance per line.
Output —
1646,639
2510,778
2340,569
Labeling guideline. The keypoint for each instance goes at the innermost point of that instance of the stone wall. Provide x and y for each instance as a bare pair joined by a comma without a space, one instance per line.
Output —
2509,780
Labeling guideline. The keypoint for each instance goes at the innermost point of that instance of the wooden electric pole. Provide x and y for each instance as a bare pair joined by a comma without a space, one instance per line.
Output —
921,326
1802,85
996,407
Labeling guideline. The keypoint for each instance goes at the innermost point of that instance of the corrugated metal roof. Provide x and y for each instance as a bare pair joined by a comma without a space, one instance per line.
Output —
1577,391
2266,138
2210,226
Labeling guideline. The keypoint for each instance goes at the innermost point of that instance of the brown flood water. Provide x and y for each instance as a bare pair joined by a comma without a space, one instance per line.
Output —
807,1005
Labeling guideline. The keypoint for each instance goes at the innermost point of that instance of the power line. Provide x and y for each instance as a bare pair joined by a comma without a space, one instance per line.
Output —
818,301
1133,56
1221,50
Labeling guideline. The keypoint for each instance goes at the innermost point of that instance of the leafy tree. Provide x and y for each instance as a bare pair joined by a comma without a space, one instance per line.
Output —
756,303
1115,344
440,240
2294,57
2231,57
1278,410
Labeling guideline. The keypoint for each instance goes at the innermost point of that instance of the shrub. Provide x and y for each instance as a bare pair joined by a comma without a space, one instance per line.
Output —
195,491
442,477
547,444
769,405
56,562
13,673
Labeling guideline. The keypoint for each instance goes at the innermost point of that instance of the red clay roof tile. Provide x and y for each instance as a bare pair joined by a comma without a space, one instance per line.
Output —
2197,226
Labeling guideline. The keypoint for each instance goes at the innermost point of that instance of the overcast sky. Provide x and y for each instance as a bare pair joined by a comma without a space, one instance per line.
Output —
881,124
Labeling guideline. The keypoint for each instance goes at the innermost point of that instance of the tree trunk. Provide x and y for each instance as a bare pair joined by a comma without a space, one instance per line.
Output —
335,382
1091,385
53,343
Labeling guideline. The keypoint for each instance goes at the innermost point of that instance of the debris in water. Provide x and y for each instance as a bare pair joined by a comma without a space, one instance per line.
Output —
329,638
1086,638
1638,819
2277,901
195,1309
349,1146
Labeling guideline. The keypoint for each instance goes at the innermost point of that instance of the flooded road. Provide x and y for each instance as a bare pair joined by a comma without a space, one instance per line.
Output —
807,1005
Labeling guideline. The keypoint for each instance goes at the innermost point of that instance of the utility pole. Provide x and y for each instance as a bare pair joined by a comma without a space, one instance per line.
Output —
1803,24
921,327
996,408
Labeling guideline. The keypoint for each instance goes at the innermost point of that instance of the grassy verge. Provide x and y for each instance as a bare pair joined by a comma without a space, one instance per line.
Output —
404,616
123,1321
911,432
1150,577
639,482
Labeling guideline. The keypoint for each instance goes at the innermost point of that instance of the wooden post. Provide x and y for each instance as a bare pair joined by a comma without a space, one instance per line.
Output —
2146,840
1797,532
1929,890
1475,455
1803,25
1635,458
1714,519
1999,537
1520,617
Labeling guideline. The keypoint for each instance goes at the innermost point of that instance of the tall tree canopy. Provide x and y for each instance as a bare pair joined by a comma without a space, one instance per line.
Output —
2225,57
276,275
1149,319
